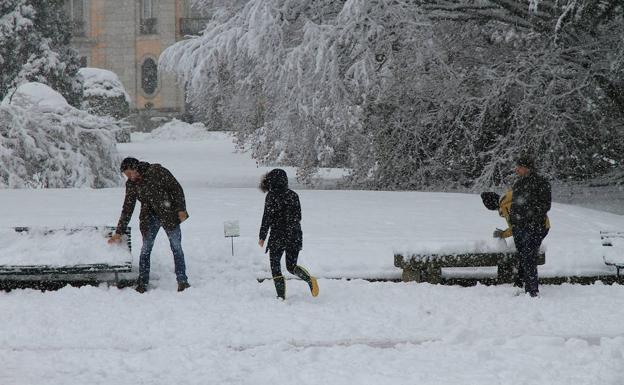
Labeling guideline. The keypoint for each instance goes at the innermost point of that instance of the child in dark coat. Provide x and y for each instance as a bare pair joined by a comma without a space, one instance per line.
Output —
282,216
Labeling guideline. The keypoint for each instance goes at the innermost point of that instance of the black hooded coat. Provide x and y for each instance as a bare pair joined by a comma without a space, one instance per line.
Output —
282,213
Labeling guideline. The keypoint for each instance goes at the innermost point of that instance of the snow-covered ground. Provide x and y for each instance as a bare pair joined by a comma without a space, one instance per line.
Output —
229,329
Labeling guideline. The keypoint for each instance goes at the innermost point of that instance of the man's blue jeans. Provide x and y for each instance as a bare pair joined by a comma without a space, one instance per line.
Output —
175,241
528,242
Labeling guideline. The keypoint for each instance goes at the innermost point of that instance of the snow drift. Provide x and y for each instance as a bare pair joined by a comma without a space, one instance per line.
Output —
178,130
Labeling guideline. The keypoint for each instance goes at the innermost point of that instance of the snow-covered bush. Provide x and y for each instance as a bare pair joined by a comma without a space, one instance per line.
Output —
104,94
46,143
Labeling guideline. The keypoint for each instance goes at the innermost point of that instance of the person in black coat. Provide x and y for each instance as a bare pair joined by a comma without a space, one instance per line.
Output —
282,217
162,205
530,202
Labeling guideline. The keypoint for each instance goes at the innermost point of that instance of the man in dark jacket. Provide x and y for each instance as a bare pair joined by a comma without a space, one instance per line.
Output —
531,201
282,217
162,204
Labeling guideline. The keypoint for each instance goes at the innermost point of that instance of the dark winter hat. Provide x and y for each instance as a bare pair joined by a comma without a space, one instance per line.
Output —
525,160
490,200
129,164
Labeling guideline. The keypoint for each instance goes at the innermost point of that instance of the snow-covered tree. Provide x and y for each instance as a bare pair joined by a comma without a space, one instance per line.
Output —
294,75
34,47
414,94
555,90
45,142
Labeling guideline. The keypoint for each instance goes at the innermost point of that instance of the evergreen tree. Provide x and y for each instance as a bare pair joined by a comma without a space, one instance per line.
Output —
34,47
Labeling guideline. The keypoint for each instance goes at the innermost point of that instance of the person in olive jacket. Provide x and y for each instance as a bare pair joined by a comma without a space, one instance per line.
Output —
162,205
493,201
282,217
531,201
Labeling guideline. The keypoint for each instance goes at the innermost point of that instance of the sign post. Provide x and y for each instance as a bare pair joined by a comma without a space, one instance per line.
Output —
231,229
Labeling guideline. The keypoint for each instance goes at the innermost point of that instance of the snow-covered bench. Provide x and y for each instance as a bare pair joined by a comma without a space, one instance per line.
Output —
614,249
62,254
427,267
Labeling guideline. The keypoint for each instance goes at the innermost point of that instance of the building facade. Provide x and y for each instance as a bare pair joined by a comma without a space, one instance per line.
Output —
127,37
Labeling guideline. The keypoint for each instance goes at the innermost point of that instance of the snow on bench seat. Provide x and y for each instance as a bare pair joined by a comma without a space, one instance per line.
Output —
425,263
49,252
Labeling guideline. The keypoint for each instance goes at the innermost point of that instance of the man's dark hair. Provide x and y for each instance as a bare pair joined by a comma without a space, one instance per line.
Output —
525,160
129,164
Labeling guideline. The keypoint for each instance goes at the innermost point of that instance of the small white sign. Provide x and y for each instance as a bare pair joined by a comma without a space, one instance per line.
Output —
231,229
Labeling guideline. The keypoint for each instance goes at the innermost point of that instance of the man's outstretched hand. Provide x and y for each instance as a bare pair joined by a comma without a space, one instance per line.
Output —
182,215
115,238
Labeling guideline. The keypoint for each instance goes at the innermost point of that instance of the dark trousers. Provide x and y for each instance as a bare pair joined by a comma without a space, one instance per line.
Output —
276,261
175,241
292,255
528,242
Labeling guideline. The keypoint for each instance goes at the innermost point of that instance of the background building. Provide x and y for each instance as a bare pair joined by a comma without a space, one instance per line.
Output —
127,37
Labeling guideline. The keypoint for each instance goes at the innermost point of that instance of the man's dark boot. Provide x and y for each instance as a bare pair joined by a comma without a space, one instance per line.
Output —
280,286
141,288
183,286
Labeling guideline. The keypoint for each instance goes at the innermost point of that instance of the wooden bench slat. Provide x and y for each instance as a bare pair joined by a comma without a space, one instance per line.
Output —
77,269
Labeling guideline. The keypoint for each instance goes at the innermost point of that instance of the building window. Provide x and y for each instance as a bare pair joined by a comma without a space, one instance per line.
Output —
149,76
147,9
148,18
195,19
148,26
75,10
193,25
84,62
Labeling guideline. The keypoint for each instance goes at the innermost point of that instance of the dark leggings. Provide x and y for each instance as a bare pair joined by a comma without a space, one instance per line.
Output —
291,263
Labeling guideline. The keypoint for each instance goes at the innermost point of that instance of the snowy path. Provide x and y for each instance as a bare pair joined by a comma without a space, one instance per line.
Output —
229,329
233,332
